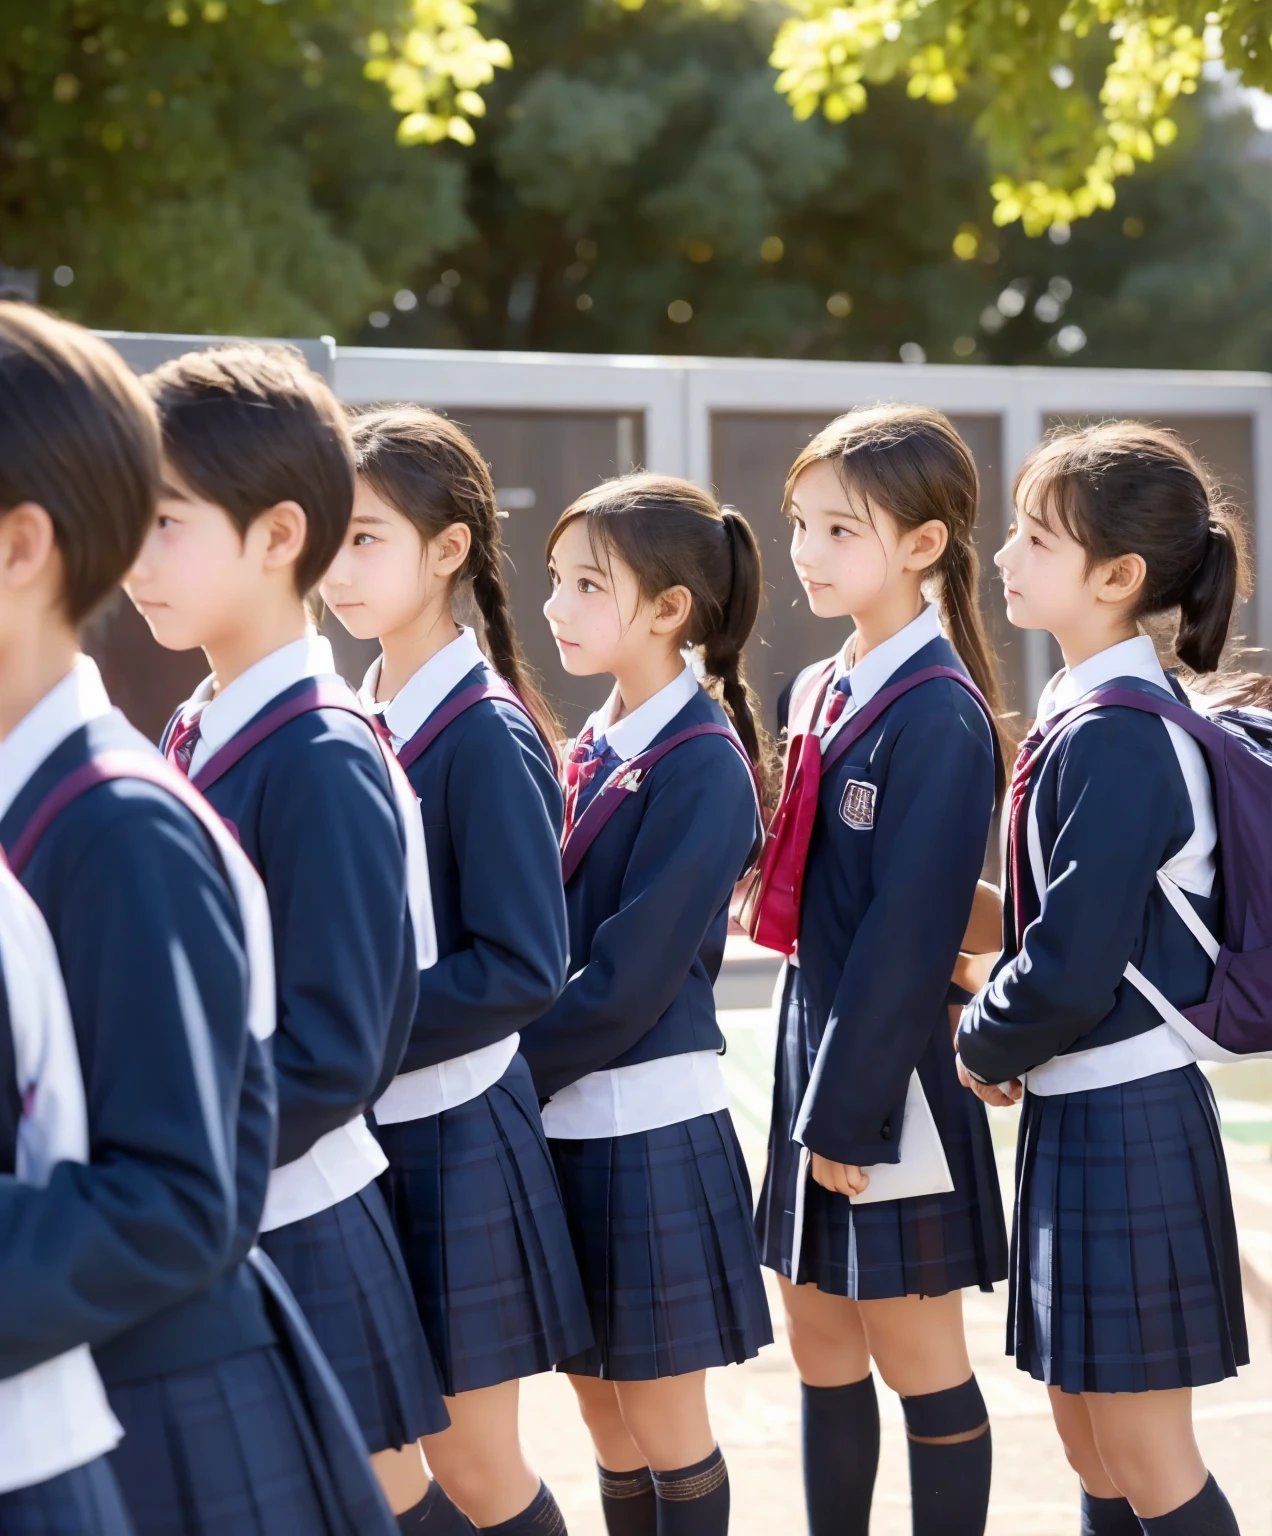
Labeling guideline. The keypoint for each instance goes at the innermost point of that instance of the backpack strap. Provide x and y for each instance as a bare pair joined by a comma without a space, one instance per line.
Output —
453,708
624,780
858,724
324,693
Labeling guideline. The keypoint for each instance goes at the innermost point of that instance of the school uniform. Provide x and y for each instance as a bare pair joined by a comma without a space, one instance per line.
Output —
315,809
898,843
628,1057
58,1427
470,1182
1125,1269
143,1254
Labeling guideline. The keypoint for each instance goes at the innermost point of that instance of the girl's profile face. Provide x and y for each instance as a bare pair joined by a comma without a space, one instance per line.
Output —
842,555
1045,578
380,580
596,612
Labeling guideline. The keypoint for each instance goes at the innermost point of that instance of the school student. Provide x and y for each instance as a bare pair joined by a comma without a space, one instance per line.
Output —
232,1424
470,1182
1125,1284
897,759
256,497
650,580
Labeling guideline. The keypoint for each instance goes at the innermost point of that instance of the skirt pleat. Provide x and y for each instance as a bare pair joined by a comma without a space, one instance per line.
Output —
475,1202
661,1221
345,1269
1126,1275
230,1449
83,1502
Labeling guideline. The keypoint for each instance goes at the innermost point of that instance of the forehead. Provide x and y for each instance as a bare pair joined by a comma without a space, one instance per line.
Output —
369,504
574,545
819,488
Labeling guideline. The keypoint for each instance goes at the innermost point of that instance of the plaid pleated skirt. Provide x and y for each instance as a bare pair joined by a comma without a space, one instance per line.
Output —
84,1502
661,1222
345,1269
232,1449
476,1204
1125,1273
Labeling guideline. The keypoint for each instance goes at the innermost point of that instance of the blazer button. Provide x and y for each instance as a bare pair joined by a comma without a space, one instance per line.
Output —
886,1132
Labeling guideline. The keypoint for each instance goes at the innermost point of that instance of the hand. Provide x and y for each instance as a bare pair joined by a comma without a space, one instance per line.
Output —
840,1178
998,1095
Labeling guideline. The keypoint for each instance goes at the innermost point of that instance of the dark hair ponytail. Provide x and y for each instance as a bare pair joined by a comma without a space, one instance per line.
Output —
431,472
1123,488
671,533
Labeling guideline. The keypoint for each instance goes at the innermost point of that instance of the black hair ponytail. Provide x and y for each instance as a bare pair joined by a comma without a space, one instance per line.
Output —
1207,602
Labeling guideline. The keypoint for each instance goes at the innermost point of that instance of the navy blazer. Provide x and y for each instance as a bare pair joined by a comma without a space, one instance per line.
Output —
314,809
884,910
492,812
136,1252
649,912
1112,808
10,1093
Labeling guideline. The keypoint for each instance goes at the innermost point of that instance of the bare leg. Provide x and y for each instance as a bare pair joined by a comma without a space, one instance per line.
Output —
598,1403
667,1419
1146,1442
827,1339
918,1342
1073,1422
403,1477
479,1460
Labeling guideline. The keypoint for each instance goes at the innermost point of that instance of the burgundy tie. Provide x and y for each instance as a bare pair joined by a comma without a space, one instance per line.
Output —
581,768
838,701
182,742
1019,788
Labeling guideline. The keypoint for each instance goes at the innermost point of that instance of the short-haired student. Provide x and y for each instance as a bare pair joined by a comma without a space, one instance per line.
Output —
1126,1278
650,579
232,1425
881,1200
256,497
470,1182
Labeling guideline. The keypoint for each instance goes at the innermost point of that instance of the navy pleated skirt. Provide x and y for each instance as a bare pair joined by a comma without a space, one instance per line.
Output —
232,1449
345,1269
84,1502
477,1207
926,1246
1125,1272
661,1222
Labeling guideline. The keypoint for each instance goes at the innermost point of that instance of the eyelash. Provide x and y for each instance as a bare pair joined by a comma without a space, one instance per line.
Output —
358,538
586,587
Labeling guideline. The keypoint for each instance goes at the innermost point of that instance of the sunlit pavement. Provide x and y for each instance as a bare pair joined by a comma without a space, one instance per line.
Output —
756,1407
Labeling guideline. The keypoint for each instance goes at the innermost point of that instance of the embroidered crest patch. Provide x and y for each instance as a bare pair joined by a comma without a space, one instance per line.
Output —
857,808
629,780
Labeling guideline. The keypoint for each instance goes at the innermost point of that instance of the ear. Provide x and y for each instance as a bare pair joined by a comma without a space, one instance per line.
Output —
671,611
27,546
1119,580
926,544
285,528
449,549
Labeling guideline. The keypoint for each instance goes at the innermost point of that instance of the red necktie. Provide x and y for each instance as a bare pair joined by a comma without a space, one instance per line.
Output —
182,742
838,701
1019,789
580,769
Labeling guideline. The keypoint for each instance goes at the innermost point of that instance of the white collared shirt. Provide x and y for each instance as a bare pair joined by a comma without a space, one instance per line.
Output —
77,699
424,691
877,667
620,1101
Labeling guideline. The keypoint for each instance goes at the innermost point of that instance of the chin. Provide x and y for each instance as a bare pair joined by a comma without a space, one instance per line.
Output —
576,663
358,623
827,604
169,632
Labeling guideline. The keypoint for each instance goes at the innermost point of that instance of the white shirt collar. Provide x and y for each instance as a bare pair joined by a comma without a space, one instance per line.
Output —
421,694
633,733
77,699
223,715
876,667
1129,658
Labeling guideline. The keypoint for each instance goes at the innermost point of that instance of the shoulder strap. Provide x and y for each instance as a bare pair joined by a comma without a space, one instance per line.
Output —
453,708
804,705
624,780
325,693
122,764
865,717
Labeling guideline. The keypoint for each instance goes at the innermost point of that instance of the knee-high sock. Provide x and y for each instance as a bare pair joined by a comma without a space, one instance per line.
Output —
435,1515
694,1501
841,1457
1209,1514
1108,1517
950,1459
629,1502
541,1517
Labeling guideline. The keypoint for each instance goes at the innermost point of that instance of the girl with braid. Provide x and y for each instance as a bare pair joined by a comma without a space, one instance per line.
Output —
470,1184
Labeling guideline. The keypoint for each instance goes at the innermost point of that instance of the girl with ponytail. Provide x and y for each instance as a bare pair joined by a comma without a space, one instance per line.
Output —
881,1202
1126,1277
655,585
470,1183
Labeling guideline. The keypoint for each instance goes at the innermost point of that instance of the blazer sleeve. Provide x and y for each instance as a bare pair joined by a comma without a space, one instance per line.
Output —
931,827
334,866
511,965
156,973
697,826
1115,813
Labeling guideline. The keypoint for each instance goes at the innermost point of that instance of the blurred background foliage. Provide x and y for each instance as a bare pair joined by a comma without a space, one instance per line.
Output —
633,183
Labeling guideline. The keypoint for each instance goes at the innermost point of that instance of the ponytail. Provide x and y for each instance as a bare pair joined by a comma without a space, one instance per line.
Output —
722,648
1205,608
959,604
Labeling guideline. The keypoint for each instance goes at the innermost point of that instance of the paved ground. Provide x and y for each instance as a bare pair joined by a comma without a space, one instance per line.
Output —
756,1406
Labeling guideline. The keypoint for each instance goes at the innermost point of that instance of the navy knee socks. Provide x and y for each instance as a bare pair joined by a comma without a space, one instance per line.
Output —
1209,1514
950,1459
1108,1517
435,1515
541,1517
694,1501
841,1457
629,1502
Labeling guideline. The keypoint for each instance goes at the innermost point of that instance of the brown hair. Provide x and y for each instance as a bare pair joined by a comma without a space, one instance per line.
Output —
78,436
1124,488
431,472
671,533
909,461
249,426
1235,690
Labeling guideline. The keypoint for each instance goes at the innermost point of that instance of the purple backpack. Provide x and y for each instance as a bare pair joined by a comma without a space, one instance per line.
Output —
1235,1021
